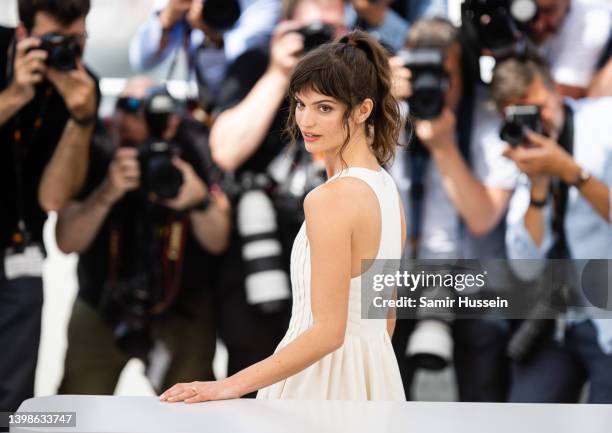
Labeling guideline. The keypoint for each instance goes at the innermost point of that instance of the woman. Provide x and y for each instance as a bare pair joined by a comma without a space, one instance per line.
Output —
342,106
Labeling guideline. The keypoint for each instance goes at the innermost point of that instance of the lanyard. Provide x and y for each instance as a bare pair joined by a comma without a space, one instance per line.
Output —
172,236
559,192
21,236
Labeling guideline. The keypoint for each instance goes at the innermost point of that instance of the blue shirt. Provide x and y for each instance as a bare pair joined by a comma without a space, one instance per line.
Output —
588,235
253,29
393,30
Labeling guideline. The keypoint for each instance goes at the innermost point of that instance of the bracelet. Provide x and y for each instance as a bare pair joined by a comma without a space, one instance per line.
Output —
538,203
84,121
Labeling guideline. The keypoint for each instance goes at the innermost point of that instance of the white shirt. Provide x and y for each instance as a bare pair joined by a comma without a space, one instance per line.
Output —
441,235
574,51
588,235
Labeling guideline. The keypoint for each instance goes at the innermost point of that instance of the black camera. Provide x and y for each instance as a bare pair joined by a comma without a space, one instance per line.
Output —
62,50
316,34
518,119
158,174
430,81
221,15
128,306
496,24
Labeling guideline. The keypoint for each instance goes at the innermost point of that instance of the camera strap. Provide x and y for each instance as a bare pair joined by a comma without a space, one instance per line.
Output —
20,238
172,235
20,148
172,259
559,191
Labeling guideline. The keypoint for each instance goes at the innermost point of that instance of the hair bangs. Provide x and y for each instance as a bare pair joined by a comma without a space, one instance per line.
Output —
321,74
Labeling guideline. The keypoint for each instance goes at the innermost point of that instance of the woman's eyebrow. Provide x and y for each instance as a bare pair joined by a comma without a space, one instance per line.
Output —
318,102
324,100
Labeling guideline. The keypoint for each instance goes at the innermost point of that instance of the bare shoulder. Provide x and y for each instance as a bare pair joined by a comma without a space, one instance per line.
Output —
331,218
340,198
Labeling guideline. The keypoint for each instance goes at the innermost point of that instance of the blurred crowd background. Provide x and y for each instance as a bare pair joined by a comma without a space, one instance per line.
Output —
177,270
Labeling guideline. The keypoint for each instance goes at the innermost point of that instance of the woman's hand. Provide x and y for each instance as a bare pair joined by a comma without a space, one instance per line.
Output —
196,392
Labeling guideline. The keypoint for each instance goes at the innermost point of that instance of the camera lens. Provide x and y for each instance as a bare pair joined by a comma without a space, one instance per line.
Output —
513,133
427,100
426,104
162,177
316,34
133,336
62,51
221,15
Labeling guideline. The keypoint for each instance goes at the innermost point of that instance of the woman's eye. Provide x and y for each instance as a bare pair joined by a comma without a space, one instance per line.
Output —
325,108
299,105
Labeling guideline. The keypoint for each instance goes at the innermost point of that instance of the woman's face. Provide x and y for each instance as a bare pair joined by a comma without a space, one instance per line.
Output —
320,119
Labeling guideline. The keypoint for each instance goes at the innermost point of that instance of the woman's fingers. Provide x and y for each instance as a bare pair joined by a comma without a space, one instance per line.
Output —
181,396
172,391
196,398
194,392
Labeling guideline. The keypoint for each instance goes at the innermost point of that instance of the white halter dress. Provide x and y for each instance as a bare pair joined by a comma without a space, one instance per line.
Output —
364,367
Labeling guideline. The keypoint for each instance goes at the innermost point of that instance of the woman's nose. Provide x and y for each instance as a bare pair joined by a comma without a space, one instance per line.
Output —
306,118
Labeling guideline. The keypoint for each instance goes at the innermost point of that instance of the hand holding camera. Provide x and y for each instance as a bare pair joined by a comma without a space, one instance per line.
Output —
213,17
430,82
437,133
285,48
78,90
400,76
56,57
123,175
518,121
542,157
192,191
29,66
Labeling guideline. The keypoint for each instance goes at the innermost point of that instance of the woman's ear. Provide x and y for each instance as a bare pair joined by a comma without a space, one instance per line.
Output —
363,110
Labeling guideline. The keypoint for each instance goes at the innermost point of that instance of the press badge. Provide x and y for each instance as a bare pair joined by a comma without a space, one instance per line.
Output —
23,264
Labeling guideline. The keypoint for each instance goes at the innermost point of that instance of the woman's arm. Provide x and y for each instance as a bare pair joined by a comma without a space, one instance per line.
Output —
239,131
328,225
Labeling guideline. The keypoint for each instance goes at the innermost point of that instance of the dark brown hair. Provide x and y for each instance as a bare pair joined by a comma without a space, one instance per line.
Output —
512,78
64,11
354,68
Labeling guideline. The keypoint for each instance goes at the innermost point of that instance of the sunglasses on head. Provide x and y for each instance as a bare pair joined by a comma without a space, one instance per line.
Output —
129,104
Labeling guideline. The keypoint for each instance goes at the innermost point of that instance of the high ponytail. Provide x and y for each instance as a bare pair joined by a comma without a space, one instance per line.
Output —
354,68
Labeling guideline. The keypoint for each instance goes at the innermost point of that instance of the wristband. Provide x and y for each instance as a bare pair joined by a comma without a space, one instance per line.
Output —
538,203
84,121
203,205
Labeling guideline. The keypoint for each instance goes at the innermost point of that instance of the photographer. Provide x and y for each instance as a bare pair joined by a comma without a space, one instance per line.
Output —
572,36
213,32
458,186
247,139
146,228
390,20
560,209
48,108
